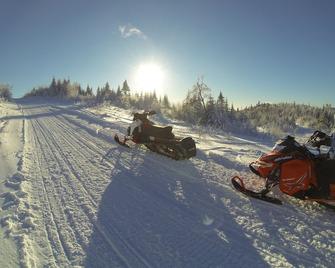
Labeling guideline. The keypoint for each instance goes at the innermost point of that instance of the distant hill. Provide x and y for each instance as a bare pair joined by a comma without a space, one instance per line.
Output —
281,118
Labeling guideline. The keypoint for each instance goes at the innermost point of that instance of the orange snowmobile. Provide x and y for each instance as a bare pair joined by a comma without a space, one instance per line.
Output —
302,171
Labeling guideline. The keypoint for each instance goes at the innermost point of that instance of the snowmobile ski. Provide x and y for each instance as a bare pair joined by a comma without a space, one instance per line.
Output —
239,186
116,138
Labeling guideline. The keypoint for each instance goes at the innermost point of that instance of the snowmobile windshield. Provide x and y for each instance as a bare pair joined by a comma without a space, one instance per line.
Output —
286,144
279,147
289,145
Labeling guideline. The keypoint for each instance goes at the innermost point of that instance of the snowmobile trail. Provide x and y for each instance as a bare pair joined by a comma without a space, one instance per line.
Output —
63,186
91,202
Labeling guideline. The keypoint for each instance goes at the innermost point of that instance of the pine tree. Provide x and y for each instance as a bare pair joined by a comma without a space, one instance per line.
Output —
107,87
221,101
53,87
210,116
125,88
89,91
98,94
118,92
106,93
60,91
166,102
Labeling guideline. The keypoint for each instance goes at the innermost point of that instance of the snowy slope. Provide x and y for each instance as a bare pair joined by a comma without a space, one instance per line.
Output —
82,200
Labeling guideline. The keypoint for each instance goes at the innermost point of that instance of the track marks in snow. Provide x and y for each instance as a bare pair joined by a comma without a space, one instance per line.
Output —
77,147
73,223
70,178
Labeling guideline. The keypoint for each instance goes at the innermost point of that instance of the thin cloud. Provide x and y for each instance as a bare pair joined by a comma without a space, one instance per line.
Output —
128,31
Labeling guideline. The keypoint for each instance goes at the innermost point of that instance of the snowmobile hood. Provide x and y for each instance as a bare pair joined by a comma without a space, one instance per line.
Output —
266,164
284,149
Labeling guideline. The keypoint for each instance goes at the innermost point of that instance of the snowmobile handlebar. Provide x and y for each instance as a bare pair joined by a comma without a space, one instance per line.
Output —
319,138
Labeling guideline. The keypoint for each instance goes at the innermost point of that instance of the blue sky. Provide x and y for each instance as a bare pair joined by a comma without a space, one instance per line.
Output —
259,50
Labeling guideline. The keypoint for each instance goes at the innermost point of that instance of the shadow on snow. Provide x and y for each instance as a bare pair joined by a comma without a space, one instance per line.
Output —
158,212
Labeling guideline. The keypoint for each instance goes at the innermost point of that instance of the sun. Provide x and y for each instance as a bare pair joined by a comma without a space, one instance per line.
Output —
149,77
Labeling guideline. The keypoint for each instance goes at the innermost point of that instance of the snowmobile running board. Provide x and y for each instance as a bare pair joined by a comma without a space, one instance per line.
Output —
157,140
239,186
180,150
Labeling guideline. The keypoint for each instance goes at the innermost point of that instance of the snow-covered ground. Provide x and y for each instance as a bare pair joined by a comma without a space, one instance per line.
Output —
11,146
72,197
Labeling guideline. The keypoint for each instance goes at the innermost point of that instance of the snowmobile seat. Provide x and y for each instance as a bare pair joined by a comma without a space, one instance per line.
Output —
157,131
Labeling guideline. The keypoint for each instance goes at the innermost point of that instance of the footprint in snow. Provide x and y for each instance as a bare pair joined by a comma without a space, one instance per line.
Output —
207,220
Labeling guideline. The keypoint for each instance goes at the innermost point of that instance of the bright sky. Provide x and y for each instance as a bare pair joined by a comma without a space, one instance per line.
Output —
259,50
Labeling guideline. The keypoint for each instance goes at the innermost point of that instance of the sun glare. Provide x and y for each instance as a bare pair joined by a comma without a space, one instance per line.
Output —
149,77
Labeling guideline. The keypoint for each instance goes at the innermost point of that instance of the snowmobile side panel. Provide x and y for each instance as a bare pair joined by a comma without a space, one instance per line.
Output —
175,149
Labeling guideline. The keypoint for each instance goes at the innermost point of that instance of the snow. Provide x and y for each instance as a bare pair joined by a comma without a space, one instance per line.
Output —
70,196
10,155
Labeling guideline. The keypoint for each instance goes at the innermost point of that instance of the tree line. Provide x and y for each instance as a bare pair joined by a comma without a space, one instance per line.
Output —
290,117
200,107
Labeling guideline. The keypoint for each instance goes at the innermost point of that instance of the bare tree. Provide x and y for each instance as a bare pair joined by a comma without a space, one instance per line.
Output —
201,91
5,92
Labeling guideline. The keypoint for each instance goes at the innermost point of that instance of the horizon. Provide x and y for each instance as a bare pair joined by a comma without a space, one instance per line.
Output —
266,52
181,100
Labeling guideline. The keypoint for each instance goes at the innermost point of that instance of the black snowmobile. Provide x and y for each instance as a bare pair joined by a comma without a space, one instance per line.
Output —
156,138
